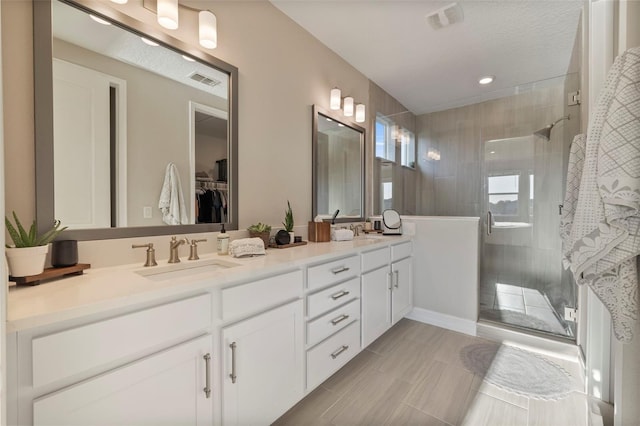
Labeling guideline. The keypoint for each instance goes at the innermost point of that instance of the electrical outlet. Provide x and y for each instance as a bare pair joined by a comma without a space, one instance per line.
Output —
146,212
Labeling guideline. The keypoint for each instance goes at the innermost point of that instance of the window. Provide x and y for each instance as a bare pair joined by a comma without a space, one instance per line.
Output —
408,149
385,145
503,194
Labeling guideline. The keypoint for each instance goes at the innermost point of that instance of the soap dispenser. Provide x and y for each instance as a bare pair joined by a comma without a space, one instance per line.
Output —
223,242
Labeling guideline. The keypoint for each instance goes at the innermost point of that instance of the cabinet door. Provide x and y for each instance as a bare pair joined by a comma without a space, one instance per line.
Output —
162,389
401,294
264,354
376,304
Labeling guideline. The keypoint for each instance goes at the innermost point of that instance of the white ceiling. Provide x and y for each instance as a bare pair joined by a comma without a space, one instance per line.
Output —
520,42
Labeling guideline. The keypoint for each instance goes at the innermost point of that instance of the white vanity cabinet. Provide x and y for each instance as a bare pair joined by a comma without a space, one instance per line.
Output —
144,367
333,317
262,349
386,289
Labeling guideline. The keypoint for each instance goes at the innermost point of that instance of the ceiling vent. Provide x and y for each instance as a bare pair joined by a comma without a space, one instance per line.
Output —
448,15
201,78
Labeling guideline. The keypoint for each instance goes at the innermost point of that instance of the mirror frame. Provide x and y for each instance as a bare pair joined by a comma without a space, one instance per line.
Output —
43,119
317,110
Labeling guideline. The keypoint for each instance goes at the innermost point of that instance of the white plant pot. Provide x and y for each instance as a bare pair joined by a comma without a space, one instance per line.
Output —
291,237
27,260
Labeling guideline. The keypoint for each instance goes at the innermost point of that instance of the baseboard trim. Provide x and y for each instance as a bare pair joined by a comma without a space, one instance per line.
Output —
438,319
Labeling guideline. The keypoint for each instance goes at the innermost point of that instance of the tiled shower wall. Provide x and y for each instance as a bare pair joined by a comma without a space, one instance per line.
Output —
455,185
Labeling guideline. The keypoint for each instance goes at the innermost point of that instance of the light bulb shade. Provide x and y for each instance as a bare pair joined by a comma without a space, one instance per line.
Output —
360,113
119,1
208,29
348,106
168,14
334,101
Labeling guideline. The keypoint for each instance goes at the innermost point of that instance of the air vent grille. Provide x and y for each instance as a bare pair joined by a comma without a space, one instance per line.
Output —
201,78
446,16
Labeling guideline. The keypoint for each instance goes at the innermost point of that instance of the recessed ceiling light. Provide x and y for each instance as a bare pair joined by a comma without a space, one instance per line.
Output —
149,42
99,20
492,152
486,80
188,59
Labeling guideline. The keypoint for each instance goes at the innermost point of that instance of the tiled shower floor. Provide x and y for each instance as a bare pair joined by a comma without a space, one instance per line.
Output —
520,307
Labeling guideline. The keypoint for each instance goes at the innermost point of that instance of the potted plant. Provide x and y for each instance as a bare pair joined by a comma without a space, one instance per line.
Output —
260,230
29,251
288,222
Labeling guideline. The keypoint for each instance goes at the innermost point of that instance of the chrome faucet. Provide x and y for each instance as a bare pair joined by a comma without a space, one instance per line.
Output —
356,229
173,249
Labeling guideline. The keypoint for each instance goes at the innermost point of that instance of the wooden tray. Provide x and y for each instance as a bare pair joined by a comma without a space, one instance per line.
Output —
282,246
50,273
372,231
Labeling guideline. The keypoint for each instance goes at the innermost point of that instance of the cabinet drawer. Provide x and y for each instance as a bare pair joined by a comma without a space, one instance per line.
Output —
375,259
245,299
326,358
332,297
333,321
73,351
400,251
333,272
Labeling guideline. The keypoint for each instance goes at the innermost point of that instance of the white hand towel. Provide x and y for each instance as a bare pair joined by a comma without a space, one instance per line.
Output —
246,247
342,235
171,204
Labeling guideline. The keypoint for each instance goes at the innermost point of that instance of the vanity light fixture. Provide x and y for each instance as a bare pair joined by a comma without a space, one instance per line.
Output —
348,106
486,80
99,20
149,42
188,58
334,100
168,13
119,1
433,154
208,29
360,113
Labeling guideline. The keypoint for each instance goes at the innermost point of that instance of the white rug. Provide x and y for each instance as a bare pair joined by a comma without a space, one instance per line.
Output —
516,370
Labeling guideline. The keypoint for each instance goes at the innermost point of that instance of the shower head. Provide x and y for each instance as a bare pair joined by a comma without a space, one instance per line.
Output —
546,131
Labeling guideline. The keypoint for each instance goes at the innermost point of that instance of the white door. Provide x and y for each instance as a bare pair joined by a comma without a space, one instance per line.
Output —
81,116
401,293
376,304
162,389
264,354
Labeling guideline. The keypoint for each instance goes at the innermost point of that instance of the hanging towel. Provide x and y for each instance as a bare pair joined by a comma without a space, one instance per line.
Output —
605,234
171,204
574,176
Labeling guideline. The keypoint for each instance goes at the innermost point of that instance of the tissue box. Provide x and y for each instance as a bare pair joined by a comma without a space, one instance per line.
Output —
320,232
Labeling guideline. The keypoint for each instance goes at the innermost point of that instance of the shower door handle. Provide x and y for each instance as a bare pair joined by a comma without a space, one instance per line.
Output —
489,222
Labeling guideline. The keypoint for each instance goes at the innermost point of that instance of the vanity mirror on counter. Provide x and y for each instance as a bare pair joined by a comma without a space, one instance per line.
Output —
121,109
338,167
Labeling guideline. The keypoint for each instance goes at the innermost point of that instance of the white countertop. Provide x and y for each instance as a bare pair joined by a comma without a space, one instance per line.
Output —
99,290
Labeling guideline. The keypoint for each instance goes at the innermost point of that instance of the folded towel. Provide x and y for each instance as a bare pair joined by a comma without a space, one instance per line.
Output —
246,247
171,204
341,234
605,233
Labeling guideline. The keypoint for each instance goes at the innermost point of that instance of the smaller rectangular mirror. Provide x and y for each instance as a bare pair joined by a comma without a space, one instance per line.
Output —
338,167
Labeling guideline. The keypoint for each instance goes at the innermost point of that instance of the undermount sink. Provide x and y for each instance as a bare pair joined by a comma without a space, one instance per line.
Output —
186,269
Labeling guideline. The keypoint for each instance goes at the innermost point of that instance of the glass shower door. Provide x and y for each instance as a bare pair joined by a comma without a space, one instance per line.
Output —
523,283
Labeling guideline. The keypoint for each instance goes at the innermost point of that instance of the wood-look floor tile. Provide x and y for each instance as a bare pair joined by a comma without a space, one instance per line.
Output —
423,332
309,411
389,340
372,400
501,394
445,397
448,347
569,411
342,381
489,411
407,415
407,360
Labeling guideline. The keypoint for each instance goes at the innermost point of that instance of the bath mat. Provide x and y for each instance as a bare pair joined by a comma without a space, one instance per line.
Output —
518,371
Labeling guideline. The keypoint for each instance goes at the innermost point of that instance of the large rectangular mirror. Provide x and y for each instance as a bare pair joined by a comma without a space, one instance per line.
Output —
338,167
136,132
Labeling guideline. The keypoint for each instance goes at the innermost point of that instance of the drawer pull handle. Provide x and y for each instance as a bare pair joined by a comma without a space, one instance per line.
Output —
397,274
233,362
339,270
338,320
207,386
339,294
337,353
